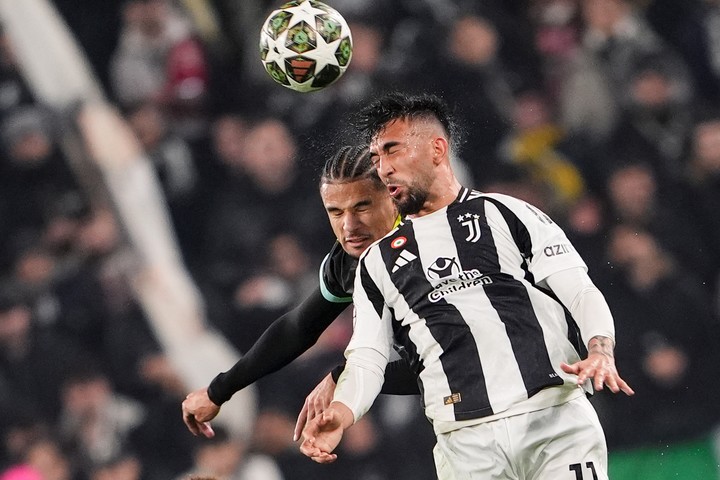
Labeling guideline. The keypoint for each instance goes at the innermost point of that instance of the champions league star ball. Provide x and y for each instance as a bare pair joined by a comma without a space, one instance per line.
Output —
305,45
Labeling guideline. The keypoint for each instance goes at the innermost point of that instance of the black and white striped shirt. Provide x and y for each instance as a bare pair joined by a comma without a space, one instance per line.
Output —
458,289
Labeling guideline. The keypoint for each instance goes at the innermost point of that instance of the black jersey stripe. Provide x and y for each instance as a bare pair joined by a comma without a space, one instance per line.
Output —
520,235
408,351
507,296
371,290
460,358
522,239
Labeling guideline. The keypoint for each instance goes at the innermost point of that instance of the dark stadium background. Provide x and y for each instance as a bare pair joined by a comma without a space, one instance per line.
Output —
604,113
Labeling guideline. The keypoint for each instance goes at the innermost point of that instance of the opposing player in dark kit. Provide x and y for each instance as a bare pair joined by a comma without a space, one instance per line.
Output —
360,211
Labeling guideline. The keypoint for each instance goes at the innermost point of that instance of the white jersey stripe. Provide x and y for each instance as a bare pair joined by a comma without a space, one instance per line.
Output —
461,293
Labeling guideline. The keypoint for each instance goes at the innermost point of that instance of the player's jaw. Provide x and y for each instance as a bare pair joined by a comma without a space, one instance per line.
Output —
409,199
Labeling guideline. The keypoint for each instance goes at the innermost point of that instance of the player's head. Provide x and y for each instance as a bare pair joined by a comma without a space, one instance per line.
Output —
393,106
356,201
410,140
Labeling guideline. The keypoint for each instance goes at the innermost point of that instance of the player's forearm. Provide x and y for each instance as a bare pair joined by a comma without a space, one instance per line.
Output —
399,379
585,302
361,381
277,347
286,339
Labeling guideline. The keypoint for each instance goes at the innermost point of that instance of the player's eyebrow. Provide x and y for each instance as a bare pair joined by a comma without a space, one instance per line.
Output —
361,203
389,144
385,147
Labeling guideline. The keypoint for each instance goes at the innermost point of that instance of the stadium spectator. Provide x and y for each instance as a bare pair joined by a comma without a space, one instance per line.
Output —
616,36
557,31
230,459
537,145
34,172
488,65
671,332
656,117
174,163
703,178
159,59
264,187
125,466
94,417
51,459
691,27
33,360
632,190
14,90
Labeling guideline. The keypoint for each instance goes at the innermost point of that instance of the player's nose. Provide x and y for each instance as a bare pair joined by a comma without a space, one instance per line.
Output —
384,167
350,223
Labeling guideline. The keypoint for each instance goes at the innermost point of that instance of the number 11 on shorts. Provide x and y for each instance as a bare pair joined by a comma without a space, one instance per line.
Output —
577,468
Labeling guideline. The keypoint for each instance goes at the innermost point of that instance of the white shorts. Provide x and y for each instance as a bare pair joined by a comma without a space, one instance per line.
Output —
564,442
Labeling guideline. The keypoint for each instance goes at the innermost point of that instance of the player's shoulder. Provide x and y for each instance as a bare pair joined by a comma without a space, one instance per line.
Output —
336,253
518,206
468,196
338,262
386,240
337,272
503,198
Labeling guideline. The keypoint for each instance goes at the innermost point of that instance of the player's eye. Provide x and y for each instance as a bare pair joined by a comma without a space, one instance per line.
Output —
394,149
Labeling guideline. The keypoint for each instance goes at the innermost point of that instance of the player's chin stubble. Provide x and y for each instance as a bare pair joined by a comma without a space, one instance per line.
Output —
412,202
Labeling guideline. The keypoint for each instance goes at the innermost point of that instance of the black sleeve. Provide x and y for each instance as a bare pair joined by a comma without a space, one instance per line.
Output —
285,340
399,379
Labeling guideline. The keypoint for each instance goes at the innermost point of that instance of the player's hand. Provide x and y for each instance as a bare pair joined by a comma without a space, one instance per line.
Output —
315,403
600,367
322,435
198,410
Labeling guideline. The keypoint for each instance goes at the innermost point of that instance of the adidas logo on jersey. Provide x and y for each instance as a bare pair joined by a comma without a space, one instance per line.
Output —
404,258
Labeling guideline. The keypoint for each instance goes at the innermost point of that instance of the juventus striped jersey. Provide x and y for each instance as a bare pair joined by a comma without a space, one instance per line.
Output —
337,273
458,289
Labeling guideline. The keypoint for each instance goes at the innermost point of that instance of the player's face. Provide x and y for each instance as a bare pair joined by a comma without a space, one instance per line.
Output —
359,213
403,154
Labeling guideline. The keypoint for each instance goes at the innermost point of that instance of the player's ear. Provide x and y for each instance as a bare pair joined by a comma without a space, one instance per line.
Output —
440,149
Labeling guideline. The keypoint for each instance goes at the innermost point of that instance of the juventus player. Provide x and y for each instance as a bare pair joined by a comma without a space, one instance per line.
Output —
476,288
360,212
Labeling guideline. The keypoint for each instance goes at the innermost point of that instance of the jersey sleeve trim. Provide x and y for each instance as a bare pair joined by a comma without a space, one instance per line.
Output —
324,289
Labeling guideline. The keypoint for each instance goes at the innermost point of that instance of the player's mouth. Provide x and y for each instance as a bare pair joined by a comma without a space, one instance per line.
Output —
358,242
394,190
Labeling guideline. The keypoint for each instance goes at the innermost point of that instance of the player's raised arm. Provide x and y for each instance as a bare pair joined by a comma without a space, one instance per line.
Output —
285,340
360,212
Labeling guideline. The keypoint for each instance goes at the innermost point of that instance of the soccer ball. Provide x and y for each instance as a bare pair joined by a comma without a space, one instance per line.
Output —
305,45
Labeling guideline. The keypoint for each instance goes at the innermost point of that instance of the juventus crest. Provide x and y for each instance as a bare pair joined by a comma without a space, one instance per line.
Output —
472,222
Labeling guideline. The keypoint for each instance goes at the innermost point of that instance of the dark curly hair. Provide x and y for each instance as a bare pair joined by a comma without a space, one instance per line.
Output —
373,118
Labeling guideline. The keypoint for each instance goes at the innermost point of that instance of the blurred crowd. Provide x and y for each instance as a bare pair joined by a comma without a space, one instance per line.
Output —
603,113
